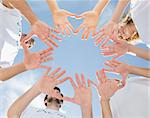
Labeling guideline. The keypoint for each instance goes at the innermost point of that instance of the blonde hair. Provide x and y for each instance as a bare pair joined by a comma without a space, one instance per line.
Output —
127,20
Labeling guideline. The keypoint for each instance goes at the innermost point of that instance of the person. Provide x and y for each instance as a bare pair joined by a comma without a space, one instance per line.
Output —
32,60
53,99
90,20
141,23
130,101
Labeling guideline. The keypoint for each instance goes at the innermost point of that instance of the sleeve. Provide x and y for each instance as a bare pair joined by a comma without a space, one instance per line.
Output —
28,111
113,108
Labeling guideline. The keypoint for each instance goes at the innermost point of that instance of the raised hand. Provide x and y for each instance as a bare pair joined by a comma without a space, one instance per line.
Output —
83,93
44,32
33,60
89,24
48,81
61,22
107,33
118,67
118,48
106,87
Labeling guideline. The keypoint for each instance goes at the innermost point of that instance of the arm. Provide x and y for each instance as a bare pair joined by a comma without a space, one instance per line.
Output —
106,110
140,52
100,6
25,9
145,72
7,73
22,102
119,9
44,85
53,5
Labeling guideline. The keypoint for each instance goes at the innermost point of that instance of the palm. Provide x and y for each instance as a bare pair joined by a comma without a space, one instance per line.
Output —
107,89
32,60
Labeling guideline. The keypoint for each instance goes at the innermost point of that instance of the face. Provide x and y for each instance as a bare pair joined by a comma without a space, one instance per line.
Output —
55,100
27,43
126,31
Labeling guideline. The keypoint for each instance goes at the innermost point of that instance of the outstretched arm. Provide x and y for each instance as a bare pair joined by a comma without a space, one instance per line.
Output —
45,85
7,73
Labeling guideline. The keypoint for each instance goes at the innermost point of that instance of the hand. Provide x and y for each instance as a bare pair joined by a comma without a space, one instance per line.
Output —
118,67
107,32
33,60
47,83
118,48
61,22
106,87
44,32
83,94
89,24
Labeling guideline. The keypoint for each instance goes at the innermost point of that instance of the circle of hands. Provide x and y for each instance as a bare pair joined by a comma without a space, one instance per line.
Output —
106,87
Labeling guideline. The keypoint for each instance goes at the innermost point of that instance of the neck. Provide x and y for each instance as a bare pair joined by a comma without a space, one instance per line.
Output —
53,106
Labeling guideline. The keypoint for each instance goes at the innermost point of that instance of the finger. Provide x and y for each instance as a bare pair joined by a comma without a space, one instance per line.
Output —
56,37
113,63
27,38
83,80
62,29
60,74
52,42
104,43
124,77
62,80
87,35
69,99
72,83
79,28
70,14
70,26
55,71
98,76
85,31
47,69
78,80
67,30
93,30
25,49
48,44
103,76
46,59
117,56
45,55
107,63
91,82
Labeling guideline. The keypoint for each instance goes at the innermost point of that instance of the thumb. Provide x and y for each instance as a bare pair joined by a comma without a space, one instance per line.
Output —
25,49
28,37
70,14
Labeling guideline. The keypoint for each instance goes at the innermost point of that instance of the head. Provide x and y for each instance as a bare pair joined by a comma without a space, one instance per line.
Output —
49,100
29,43
127,29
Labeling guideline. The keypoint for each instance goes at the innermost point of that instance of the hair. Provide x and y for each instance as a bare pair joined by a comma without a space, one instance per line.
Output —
127,20
46,97
32,41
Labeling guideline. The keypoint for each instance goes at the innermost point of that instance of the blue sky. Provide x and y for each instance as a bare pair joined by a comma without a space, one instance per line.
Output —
74,55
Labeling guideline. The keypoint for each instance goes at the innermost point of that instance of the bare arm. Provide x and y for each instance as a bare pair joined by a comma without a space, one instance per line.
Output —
145,72
106,111
52,5
140,52
119,9
25,9
7,73
22,102
100,6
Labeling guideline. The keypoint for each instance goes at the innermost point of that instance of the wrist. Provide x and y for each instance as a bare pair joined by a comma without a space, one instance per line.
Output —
105,99
23,67
130,47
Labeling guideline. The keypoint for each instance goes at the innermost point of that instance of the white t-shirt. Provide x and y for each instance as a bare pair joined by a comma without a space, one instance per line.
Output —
140,13
133,100
10,34
41,113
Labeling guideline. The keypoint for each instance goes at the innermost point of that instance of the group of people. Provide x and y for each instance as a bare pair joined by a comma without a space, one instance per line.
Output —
131,98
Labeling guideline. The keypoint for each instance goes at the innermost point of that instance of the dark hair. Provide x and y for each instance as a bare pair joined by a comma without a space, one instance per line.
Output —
46,97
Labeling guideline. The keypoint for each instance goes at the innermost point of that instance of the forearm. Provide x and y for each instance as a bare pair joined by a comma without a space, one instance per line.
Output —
22,102
106,110
7,73
119,10
139,71
140,52
52,5
86,111
25,9
100,6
